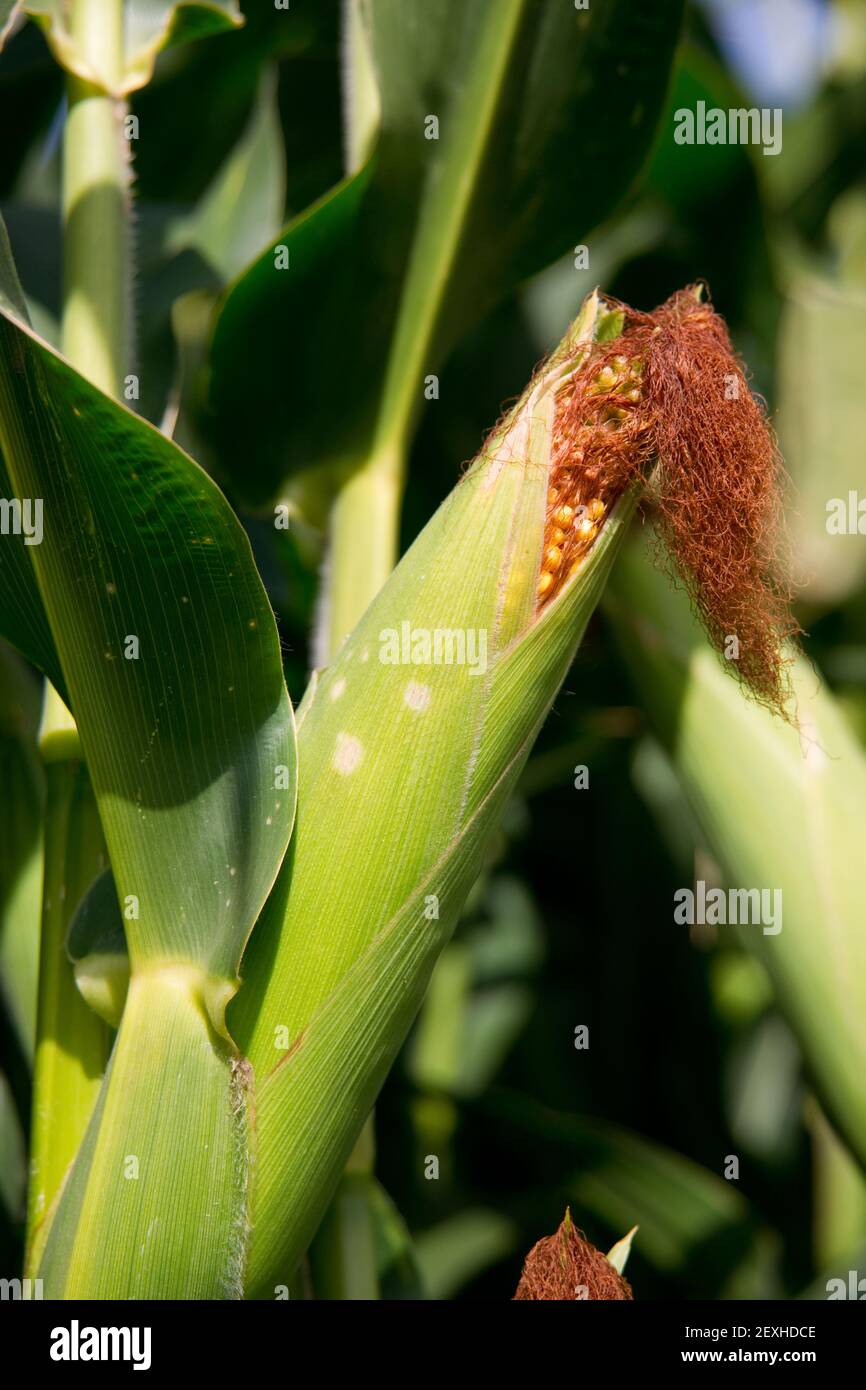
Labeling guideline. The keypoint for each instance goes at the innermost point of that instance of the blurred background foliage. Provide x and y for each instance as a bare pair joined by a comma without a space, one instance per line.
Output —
688,1061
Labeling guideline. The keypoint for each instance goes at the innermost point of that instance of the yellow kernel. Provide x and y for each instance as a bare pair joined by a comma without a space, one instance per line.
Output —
634,395
557,536
553,558
586,529
545,582
563,516
606,378
552,496
595,508
620,363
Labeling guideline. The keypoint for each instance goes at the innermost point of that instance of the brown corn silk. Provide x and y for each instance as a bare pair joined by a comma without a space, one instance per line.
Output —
668,401
567,1266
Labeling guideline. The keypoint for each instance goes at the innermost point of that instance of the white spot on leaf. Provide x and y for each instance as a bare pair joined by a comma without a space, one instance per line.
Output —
417,696
348,753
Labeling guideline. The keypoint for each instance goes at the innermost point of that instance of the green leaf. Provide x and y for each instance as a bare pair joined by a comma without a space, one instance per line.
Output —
171,656
170,652
781,809
243,208
545,115
149,27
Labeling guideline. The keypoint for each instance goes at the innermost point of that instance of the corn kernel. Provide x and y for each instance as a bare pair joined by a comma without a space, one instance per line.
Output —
553,558
563,516
544,583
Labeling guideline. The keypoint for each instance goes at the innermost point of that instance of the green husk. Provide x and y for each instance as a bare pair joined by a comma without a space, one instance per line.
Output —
404,771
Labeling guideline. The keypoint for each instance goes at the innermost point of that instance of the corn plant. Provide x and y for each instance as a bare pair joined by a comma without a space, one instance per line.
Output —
242,905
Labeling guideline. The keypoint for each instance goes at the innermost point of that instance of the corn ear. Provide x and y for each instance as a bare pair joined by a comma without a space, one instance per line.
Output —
418,759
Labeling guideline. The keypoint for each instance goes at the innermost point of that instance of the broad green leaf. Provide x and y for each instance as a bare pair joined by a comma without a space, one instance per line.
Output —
781,809
544,116
170,653
243,208
169,648
149,26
